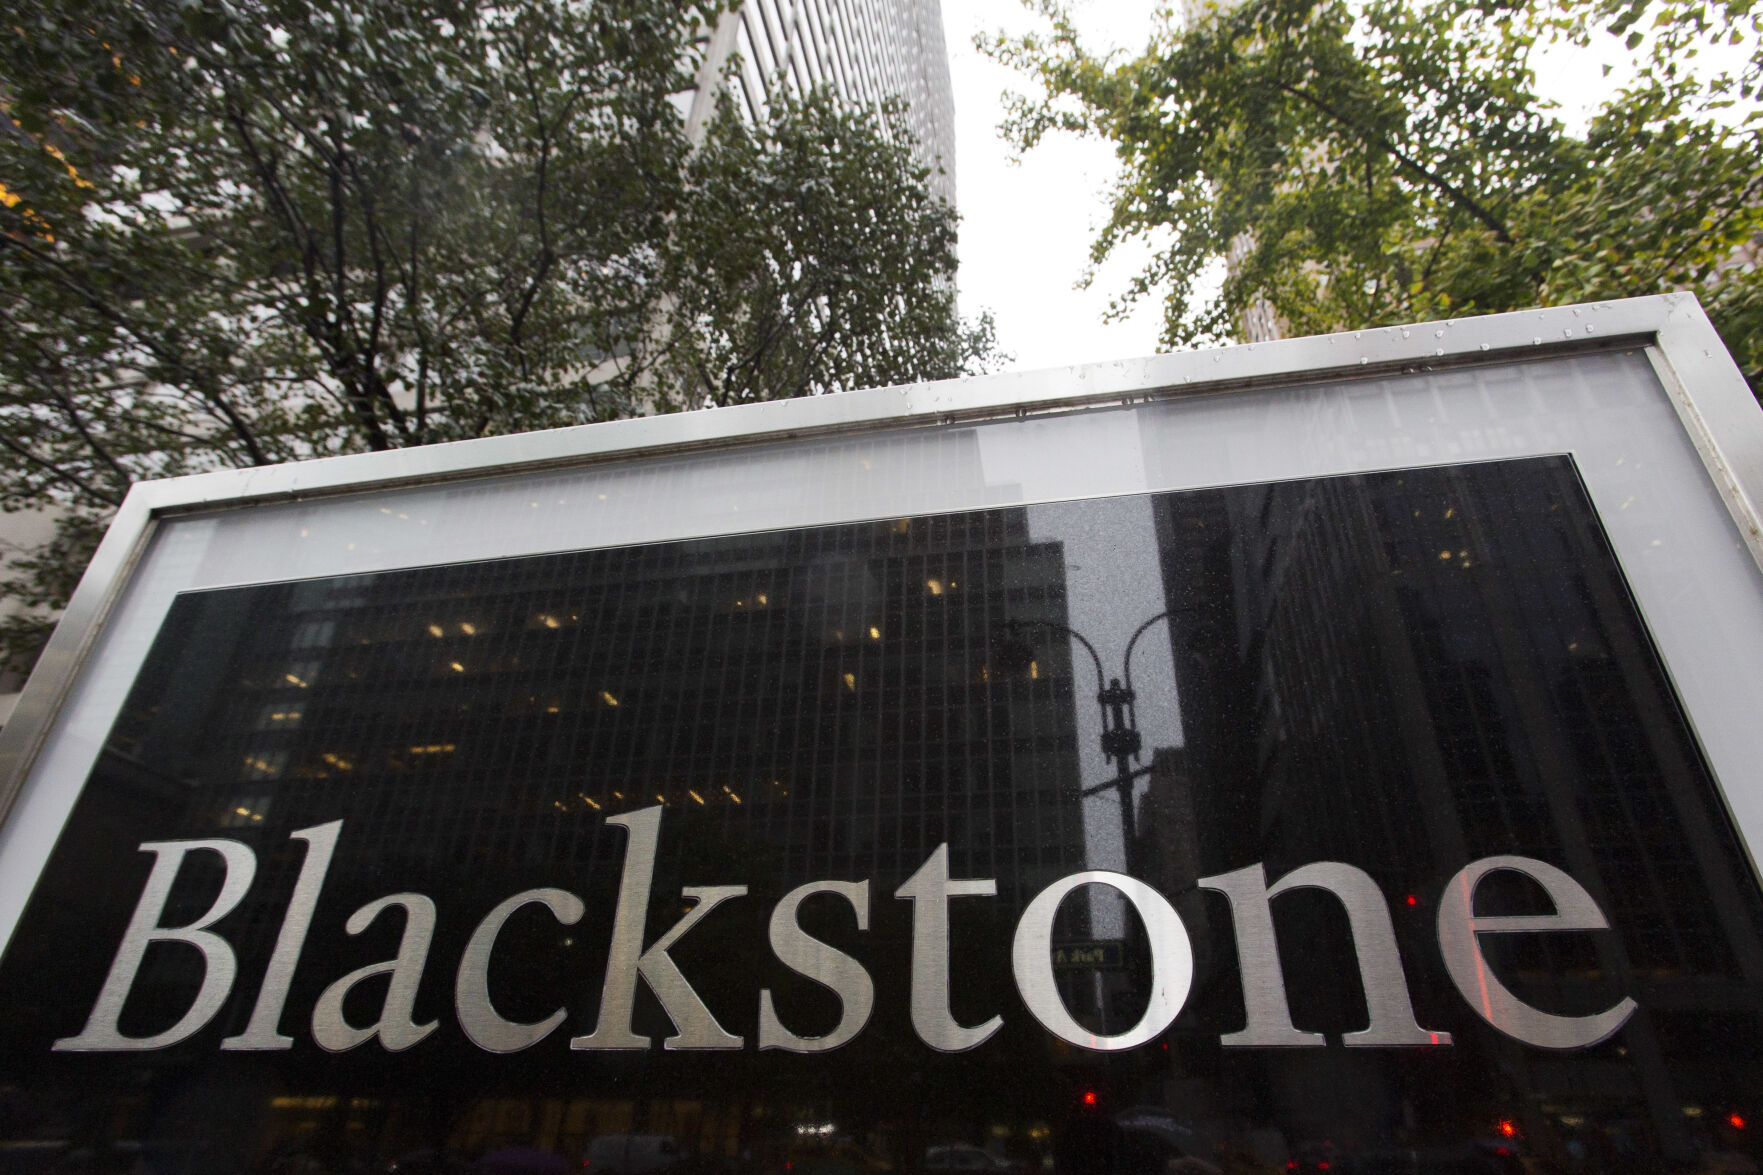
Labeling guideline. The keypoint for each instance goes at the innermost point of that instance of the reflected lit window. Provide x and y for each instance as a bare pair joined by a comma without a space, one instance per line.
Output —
280,715
263,764
243,811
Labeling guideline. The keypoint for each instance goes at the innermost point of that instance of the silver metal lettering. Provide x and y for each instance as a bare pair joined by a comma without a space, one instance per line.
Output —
262,1033
101,1033
1172,961
1491,999
827,966
1269,1018
483,1025
394,1027
929,891
1387,1005
695,1027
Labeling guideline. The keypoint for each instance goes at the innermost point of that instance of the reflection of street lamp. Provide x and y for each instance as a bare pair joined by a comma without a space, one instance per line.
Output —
1120,725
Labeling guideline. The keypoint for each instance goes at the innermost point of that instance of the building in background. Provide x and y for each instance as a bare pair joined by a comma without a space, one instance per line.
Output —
866,51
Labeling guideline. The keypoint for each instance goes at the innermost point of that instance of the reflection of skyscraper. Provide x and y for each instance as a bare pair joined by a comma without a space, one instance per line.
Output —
831,693
794,680
1168,853
820,704
1427,667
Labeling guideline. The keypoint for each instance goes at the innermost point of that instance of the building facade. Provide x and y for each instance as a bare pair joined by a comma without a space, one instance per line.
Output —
866,51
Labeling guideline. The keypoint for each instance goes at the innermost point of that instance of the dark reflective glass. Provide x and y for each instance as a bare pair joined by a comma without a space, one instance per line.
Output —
1360,686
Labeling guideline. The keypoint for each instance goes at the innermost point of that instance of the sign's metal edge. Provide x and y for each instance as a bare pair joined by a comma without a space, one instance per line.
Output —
265,494
1322,358
1722,420
52,681
1717,411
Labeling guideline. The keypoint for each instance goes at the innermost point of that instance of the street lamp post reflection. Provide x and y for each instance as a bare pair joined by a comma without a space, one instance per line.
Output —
1121,741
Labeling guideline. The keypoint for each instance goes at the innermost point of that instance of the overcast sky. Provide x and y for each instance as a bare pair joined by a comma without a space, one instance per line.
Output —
1026,229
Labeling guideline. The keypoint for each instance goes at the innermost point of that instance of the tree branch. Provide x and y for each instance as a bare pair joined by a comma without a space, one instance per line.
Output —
202,380
1456,195
58,473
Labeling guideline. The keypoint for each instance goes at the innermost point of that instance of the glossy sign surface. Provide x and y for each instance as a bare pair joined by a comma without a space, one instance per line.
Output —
724,855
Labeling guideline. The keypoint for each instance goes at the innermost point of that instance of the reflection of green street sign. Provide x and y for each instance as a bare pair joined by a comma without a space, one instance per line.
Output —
1108,955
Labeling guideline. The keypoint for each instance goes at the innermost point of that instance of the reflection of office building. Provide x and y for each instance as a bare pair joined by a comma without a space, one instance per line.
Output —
818,704
1406,685
1168,852
1171,837
790,681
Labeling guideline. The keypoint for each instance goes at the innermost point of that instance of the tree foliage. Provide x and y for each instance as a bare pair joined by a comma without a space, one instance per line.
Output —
774,282
235,232
1364,162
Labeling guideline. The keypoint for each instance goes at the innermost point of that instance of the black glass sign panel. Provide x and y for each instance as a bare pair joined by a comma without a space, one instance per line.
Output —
1345,824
